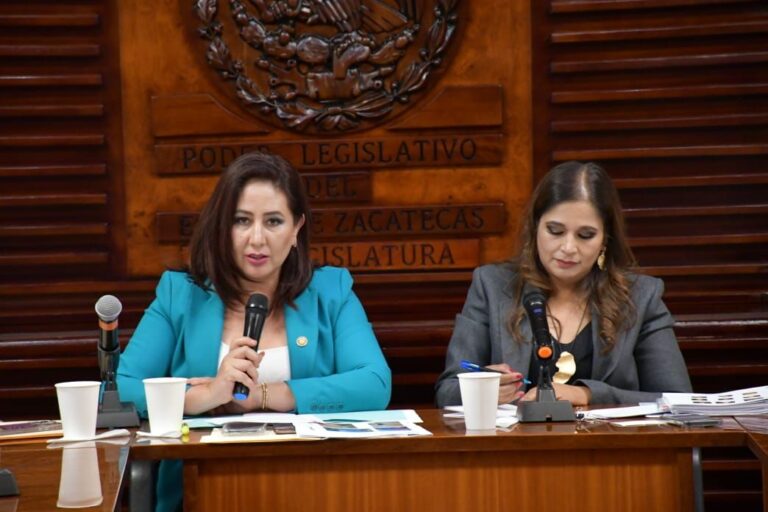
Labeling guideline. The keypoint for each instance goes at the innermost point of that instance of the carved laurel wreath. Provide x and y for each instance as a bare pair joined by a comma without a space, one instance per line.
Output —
298,115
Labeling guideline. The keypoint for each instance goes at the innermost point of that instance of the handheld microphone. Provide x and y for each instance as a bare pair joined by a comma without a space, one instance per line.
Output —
256,310
108,308
535,305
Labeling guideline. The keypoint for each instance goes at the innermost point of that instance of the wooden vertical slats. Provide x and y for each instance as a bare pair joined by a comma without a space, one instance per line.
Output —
49,20
49,140
52,170
668,93
55,119
670,61
74,110
657,123
635,33
581,6
49,50
659,93
75,79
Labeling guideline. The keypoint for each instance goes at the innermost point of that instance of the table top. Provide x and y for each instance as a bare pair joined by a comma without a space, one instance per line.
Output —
74,474
449,434
48,475
757,427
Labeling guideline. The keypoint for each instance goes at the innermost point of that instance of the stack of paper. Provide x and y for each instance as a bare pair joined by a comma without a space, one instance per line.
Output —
12,430
731,403
506,414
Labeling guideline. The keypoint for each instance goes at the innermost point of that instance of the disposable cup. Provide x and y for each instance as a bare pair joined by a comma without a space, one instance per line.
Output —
479,397
165,403
80,483
78,406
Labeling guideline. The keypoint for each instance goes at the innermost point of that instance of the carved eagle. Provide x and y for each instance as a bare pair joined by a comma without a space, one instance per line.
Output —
371,15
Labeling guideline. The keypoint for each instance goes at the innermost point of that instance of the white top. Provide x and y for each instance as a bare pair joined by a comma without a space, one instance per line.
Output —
275,367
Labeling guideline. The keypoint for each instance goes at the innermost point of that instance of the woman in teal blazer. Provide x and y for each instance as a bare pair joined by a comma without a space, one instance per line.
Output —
317,351
336,363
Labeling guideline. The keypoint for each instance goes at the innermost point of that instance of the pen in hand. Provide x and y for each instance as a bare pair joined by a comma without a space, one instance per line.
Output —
466,365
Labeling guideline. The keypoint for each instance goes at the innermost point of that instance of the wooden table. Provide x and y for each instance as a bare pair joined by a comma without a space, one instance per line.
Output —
91,469
564,467
758,443
757,429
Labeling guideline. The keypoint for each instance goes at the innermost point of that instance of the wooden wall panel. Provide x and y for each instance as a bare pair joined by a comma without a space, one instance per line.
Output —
60,142
480,94
671,99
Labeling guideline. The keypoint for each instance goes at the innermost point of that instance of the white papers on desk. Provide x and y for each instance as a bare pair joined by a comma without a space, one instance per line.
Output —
730,403
506,414
361,424
261,417
640,423
388,415
352,430
619,412
218,436
280,417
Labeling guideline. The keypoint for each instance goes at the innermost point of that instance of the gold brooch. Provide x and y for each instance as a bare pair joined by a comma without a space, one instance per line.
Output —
302,341
566,367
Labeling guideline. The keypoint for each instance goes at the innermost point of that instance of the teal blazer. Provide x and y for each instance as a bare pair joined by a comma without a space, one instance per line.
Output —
336,362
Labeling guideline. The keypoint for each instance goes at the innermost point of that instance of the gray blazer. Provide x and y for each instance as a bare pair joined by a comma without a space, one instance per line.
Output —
645,361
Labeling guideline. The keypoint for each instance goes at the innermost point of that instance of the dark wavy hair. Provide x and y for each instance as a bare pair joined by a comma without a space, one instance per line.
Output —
607,290
212,264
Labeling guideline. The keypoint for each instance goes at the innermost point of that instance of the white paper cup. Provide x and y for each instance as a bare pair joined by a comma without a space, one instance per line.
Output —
78,406
80,483
165,403
480,397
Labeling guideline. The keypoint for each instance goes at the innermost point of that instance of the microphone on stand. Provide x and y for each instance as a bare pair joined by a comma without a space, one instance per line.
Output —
256,310
546,407
108,308
112,412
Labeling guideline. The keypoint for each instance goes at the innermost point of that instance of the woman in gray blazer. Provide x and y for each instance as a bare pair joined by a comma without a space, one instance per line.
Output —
613,337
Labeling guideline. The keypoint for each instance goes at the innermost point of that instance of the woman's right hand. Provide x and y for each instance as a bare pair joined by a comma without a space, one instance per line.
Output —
241,364
510,383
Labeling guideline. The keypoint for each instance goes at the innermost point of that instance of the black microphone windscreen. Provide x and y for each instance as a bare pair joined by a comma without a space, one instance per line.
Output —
534,300
108,308
257,301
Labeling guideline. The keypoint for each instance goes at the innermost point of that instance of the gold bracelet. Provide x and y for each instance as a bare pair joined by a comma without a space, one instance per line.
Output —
264,396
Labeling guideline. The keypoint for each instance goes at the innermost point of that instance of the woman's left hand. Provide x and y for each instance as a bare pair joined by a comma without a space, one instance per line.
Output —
235,406
577,395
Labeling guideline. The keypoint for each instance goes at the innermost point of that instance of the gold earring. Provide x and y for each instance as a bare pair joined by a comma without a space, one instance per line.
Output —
601,259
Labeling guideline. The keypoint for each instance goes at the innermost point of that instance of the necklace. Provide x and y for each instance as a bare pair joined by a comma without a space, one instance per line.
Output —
566,363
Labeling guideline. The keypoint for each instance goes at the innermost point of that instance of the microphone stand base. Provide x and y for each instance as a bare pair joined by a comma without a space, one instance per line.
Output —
537,412
116,414
8,486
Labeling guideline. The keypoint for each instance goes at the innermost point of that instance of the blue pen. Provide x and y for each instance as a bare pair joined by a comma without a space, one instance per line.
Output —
477,368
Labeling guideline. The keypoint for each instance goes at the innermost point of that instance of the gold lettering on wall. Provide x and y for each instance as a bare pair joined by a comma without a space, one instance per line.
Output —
412,220
334,223
336,187
399,255
450,150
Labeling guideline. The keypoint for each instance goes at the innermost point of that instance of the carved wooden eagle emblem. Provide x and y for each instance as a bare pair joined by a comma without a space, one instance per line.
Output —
326,66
